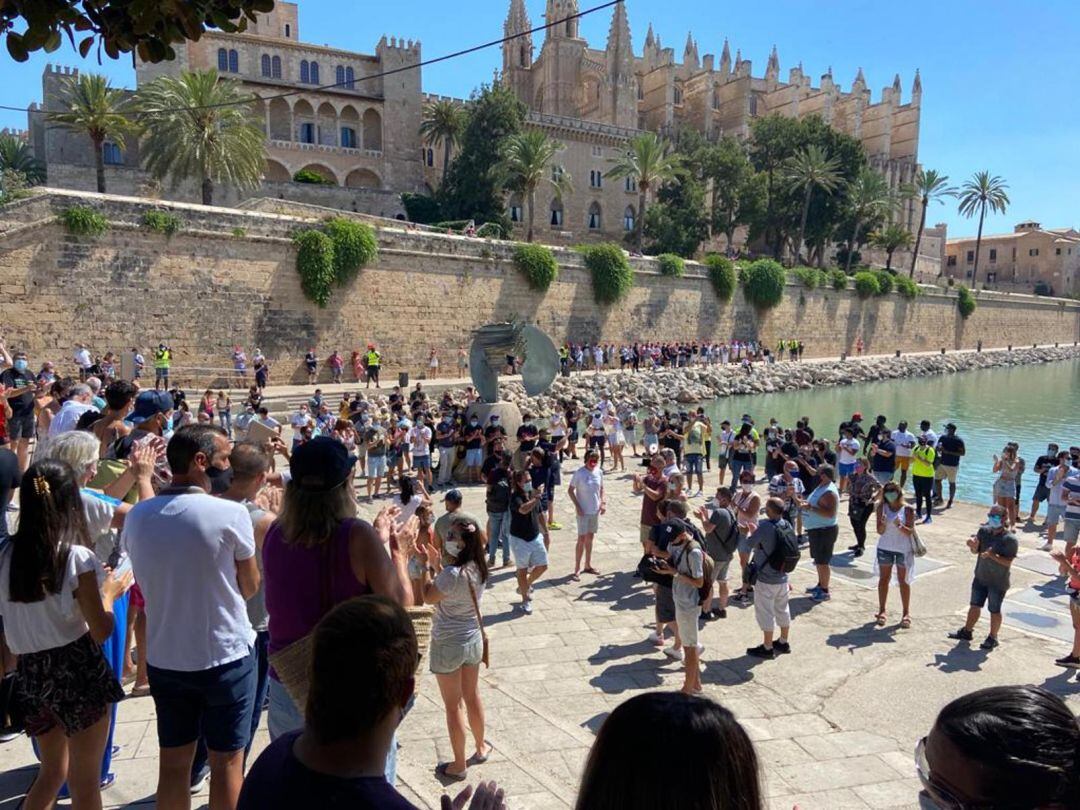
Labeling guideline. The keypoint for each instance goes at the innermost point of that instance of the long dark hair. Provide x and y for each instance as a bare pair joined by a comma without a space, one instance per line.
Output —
1026,741
473,544
711,763
408,488
51,521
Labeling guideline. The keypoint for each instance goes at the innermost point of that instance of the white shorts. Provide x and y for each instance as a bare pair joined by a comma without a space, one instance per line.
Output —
771,605
587,524
687,621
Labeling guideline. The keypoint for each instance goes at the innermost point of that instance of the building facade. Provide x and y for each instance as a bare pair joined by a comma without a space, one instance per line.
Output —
362,136
1028,258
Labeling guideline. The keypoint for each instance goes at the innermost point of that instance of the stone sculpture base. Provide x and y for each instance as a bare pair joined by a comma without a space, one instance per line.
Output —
509,419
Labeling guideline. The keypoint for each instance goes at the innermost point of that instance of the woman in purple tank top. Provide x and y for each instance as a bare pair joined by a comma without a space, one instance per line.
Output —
319,554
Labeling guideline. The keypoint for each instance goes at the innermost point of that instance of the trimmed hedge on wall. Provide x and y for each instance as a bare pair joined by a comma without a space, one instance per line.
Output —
537,263
763,283
612,277
722,275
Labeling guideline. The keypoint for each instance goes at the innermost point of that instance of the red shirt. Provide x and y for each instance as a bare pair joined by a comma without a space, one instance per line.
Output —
648,505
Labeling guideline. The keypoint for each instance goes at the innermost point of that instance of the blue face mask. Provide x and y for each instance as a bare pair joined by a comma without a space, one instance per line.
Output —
994,521
20,365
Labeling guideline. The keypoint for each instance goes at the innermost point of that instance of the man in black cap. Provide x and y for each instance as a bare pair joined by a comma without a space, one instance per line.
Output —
452,501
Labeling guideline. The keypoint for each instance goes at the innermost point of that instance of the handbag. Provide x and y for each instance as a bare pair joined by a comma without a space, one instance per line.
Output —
917,545
480,621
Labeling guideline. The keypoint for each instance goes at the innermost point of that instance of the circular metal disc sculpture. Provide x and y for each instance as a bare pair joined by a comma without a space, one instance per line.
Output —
490,347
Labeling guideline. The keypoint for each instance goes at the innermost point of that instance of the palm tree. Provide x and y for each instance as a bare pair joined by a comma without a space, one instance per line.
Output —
891,238
649,164
982,191
16,156
525,167
929,186
868,196
811,168
95,109
197,126
444,121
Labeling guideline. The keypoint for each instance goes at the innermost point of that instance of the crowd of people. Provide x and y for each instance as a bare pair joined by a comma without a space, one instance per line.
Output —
133,511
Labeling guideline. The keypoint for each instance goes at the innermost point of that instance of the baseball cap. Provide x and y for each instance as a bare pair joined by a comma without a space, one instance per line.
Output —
451,495
149,404
321,464
856,417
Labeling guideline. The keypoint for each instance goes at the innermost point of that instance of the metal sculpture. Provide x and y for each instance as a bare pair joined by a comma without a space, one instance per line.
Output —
490,347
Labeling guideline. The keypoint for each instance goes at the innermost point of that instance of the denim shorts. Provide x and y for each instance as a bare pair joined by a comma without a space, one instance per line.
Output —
421,462
445,657
216,703
1072,530
846,469
882,476
376,466
1054,514
474,457
981,594
693,463
890,557
737,467
528,553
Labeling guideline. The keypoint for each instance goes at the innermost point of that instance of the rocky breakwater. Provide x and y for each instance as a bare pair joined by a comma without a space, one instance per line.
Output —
667,387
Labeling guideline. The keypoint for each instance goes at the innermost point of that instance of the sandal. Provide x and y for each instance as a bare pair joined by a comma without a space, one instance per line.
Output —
905,623
442,769
139,691
880,619
591,570
575,577
480,759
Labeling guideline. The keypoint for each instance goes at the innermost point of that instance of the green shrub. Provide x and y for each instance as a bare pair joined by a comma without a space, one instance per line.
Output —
1042,288
354,246
907,288
763,283
315,264
239,233
838,279
671,265
308,176
421,208
490,230
866,284
965,301
537,263
612,277
162,222
951,281
885,281
722,275
807,275
451,224
84,221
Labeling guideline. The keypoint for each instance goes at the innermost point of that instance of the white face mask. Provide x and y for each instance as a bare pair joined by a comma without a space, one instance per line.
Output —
747,487
453,548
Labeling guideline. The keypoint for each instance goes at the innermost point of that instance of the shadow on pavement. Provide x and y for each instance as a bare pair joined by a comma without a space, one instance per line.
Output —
862,636
1065,684
621,590
961,658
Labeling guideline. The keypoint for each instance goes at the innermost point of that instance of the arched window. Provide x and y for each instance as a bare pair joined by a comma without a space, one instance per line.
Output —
110,154
314,72
275,67
305,74
596,178
265,65
640,92
556,173
222,60
348,138
628,218
630,184
556,219
339,76
288,31
716,99
678,95
429,157
234,62
594,217
516,214
307,132
350,78
523,57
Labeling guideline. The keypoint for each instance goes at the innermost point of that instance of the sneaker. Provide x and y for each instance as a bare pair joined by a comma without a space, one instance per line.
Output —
706,617
813,588
199,779
654,638
554,525
781,647
1069,662
761,651
674,653
803,540
855,547
927,519
989,644
719,613
1046,547
963,634
857,552
820,595
7,735
526,607
700,649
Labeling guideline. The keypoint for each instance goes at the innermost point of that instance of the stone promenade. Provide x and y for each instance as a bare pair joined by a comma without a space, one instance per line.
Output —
834,723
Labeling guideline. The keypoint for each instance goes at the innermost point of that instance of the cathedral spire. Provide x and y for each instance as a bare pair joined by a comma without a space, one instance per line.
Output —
860,81
772,69
517,52
561,10
517,19
896,83
690,52
620,49
916,88
725,58
650,38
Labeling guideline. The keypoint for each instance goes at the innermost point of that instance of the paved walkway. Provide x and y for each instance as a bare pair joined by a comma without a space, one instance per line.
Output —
834,723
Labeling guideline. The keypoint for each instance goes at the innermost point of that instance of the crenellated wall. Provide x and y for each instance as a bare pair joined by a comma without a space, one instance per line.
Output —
206,288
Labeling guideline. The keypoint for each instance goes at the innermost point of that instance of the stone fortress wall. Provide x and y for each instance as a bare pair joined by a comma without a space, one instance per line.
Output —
211,286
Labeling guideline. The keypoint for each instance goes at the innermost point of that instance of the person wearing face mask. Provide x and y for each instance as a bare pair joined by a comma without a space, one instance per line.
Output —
922,477
20,390
530,553
187,548
474,449
996,548
895,526
747,506
457,637
586,492
819,511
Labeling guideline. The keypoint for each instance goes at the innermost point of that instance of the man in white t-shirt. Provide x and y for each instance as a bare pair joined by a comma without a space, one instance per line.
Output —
83,360
300,420
847,452
194,558
905,444
68,416
586,492
419,439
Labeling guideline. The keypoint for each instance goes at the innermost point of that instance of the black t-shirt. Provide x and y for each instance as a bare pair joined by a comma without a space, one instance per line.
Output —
854,427
949,447
497,500
310,360
473,437
279,781
9,481
527,526
872,434
446,427
491,463
1046,462
661,537
24,403
883,463
491,431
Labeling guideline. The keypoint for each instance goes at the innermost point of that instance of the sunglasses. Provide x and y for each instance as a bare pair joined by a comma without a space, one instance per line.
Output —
939,797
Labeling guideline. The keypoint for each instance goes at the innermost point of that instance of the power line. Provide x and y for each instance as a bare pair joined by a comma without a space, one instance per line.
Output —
383,74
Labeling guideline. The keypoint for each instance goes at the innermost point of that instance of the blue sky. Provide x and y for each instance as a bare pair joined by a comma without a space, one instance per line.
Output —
997,77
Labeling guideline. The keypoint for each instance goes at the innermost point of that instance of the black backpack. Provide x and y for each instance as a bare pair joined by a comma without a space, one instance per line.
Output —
731,542
786,556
